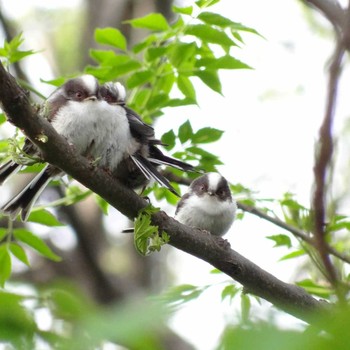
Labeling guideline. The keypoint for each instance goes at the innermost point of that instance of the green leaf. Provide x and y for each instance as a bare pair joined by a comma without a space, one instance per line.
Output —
157,101
104,206
35,242
169,139
146,236
121,65
186,87
74,194
153,53
215,19
145,44
103,57
315,289
19,253
245,307
5,265
2,118
339,226
183,10
240,27
182,53
211,79
139,78
229,292
224,62
54,82
153,21
44,217
3,233
221,21
181,294
140,97
11,50
165,81
212,158
293,255
185,132
208,34
110,36
17,326
206,3
207,135
281,240
177,102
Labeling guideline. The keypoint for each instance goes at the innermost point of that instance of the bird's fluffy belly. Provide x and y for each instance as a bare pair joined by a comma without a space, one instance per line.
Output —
208,213
97,128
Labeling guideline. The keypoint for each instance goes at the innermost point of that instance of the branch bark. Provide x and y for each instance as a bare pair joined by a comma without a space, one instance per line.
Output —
332,11
214,250
294,230
340,18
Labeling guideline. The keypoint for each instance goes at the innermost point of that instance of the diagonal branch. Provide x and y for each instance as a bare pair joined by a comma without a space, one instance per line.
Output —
214,250
294,230
274,220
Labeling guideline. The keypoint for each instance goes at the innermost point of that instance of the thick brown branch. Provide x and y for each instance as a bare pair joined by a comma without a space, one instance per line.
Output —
213,250
255,280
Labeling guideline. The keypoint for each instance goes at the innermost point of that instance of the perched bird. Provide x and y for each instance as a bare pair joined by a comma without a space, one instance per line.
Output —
208,205
87,122
98,124
140,163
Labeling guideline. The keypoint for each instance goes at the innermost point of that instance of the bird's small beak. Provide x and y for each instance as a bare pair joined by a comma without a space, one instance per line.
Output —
91,98
119,103
211,193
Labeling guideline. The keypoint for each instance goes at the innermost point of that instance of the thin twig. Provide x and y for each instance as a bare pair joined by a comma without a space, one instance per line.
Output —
295,231
323,158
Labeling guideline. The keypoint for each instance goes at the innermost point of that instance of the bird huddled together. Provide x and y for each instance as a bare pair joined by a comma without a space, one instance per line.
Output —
96,121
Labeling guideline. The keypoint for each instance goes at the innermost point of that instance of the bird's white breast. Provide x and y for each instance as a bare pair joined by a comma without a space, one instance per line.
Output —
208,213
96,127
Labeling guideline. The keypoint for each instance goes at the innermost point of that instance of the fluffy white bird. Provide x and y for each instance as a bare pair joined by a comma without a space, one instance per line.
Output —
208,205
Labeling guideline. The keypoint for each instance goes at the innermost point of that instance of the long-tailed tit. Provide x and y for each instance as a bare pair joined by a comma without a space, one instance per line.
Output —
208,205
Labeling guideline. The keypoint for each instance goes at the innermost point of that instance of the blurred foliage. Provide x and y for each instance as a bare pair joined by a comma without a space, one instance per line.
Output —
74,322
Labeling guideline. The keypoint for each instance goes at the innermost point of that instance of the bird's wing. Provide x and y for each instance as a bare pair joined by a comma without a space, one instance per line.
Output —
138,128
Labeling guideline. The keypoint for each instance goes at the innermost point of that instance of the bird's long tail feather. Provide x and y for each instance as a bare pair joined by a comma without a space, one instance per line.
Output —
157,157
24,200
151,172
8,169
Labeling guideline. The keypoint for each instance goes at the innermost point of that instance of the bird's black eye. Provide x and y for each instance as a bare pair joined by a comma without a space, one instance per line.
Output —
109,98
202,188
220,193
79,95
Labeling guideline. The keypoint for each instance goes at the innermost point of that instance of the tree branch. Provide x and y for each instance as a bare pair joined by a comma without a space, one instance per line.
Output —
214,250
274,220
295,231
324,152
332,11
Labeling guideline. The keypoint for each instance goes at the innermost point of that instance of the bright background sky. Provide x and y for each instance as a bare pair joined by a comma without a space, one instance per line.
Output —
271,117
